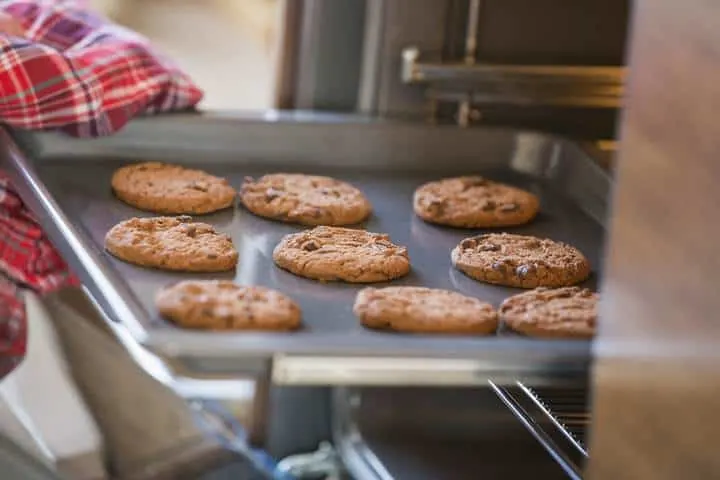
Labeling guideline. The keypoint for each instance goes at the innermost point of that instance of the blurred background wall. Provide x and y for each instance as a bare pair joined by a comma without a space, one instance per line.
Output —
228,46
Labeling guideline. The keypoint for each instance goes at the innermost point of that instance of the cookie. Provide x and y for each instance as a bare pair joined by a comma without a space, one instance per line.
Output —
559,312
172,243
520,261
305,199
222,305
334,253
474,202
424,310
171,189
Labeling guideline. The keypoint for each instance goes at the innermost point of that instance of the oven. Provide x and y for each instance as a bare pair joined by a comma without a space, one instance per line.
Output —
388,94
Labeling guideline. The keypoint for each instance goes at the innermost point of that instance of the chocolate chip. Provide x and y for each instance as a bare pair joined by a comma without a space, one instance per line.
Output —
212,256
310,246
436,205
329,191
499,267
150,184
307,211
142,169
468,243
524,270
474,182
489,205
489,247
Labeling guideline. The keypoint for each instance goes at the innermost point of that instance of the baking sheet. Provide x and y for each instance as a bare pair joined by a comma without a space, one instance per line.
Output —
81,188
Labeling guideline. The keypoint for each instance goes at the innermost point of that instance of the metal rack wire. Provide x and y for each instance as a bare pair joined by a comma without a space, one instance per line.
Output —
558,418
567,408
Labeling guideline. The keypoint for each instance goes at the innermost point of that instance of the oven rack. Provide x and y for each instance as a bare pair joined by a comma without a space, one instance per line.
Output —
484,83
470,82
375,439
558,418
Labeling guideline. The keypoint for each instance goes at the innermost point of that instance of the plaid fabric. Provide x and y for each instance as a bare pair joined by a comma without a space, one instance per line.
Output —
13,327
75,72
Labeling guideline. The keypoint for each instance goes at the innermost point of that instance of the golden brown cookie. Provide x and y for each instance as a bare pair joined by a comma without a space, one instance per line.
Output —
334,253
559,312
424,310
171,189
520,261
172,243
222,305
305,199
474,202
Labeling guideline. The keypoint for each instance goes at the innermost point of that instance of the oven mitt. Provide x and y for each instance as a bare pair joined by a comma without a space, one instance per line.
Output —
66,69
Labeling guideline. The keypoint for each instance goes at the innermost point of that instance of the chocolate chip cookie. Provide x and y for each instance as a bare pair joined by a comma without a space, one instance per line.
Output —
520,261
559,312
172,243
474,202
222,305
171,189
305,199
334,253
424,310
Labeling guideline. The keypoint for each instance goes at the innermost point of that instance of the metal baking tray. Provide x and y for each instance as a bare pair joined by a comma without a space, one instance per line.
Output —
68,188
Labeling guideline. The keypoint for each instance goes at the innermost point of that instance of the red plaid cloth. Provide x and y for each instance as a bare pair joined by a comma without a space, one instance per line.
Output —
75,72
